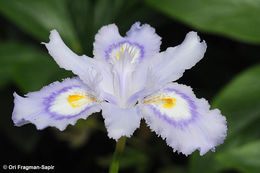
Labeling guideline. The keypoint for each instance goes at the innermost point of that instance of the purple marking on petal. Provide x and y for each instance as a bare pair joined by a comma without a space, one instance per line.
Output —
48,100
171,121
110,98
112,46
134,98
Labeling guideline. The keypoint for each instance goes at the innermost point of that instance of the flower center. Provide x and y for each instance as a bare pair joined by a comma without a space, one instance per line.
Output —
124,57
125,51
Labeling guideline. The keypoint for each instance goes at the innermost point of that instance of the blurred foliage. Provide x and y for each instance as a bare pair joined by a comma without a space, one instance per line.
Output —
39,17
80,133
132,158
245,158
26,66
88,16
237,19
239,101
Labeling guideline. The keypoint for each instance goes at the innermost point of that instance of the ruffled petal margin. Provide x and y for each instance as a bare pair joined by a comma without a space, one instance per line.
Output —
104,39
82,66
120,121
186,122
170,65
58,104
145,36
141,38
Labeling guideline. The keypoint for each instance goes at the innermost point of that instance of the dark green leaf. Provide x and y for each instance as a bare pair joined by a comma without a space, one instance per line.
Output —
239,101
38,17
237,19
245,158
82,13
89,16
204,164
28,67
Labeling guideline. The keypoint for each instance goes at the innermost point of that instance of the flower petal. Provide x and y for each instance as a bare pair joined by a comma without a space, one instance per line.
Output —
145,36
120,121
58,105
141,41
170,65
106,36
82,66
106,85
186,122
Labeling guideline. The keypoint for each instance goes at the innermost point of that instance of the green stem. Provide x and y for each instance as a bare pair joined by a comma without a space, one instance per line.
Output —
120,146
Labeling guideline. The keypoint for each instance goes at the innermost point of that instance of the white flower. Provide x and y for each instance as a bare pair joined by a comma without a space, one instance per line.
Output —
128,79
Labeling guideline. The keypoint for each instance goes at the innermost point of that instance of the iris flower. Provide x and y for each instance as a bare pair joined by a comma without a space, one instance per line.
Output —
128,79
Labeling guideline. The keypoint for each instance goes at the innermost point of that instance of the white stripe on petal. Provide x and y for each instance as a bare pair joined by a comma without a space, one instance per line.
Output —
186,122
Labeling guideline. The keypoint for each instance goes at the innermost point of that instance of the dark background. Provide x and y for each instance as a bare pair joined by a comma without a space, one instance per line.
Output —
86,146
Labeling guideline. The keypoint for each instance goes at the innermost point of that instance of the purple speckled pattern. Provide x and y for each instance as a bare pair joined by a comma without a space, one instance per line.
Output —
48,101
171,121
112,46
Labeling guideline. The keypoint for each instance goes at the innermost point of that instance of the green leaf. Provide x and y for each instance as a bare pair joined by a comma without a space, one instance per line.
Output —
239,101
245,158
204,164
38,17
28,67
82,18
89,16
238,19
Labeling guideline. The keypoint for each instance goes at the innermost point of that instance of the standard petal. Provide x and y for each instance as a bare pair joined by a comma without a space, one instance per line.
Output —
145,36
82,66
120,121
140,42
106,85
58,104
170,65
106,37
186,122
